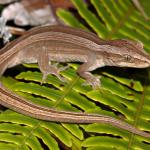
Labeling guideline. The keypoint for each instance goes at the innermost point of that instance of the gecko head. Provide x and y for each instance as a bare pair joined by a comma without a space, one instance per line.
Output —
131,54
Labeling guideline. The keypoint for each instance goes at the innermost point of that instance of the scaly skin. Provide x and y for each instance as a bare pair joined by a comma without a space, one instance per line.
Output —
64,44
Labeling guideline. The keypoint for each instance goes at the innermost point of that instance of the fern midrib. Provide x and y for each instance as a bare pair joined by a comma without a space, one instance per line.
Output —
29,135
137,116
67,91
120,23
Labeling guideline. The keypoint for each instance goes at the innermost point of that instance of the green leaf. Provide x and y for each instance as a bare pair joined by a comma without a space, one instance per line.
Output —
68,18
102,141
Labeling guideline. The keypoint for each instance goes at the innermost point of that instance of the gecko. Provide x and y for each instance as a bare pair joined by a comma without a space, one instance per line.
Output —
66,44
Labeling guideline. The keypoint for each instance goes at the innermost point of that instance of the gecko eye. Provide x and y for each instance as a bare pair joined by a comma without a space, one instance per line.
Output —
128,58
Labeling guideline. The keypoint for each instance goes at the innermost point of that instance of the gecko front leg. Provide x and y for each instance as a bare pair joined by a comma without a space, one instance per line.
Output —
90,65
45,66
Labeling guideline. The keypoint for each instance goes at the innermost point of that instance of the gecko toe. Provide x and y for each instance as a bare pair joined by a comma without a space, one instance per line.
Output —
61,78
63,68
44,77
94,82
56,72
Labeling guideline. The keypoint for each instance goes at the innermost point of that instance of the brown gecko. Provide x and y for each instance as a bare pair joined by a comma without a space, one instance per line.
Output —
66,44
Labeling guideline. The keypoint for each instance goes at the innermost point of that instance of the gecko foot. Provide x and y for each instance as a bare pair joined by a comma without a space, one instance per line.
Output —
57,71
54,71
61,68
93,81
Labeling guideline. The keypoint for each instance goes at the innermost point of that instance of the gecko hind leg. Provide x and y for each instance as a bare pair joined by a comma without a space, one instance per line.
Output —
46,68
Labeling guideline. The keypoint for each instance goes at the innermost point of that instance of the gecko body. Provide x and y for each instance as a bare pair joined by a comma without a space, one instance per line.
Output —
65,44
